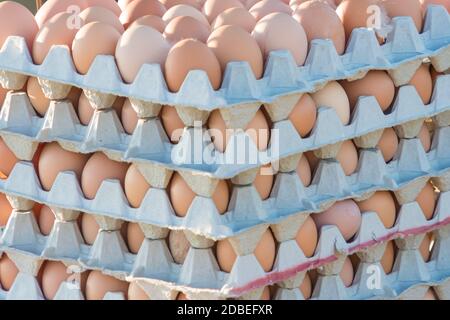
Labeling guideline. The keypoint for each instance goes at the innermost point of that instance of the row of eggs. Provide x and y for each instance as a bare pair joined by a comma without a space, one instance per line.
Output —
184,38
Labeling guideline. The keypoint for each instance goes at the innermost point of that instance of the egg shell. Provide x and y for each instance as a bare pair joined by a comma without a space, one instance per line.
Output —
99,284
232,43
264,253
46,220
123,3
304,115
137,46
89,228
151,21
388,144
265,7
425,138
193,3
320,21
423,83
399,8
235,16
306,287
178,245
383,204
348,157
136,186
181,195
92,40
347,273
430,295
103,15
111,5
353,14
304,171
279,31
426,3
258,130
212,8
8,272
334,96
140,8
307,237
345,215
86,111
182,296
183,10
427,200
388,259
183,28
3,93
135,292
99,168
129,117
426,246
172,123
265,295
263,182
54,159
51,8
7,160
135,237
5,210
295,3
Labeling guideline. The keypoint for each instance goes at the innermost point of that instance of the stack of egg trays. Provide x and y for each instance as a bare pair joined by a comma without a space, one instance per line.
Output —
21,130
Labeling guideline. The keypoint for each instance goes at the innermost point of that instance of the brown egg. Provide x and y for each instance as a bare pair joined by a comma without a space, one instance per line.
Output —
345,215
56,31
172,123
181,195
3,93
312,160
295,3
279,31
193,3
232,43
320,21
54,159
388,144
103,15
99,284
86,110
46,220
265,7
304,171
8,270
399,8
383,204
423,83
136,186
435,75
304,115
111,5
430,295
306,287
182,296
425,138
307,237
7,161
89,228
151,21
264,253
426,3
348,157
427,200
187,55
347,273
258,130
265,295
135,237
99,168
137,46
235,16
334,96
129,117
264,181
17,20
388,259
184,27
354,14
135,292
426,246
212,8
140,8
376,83
52,7
183,10
54,273
178,245
5,210
92,40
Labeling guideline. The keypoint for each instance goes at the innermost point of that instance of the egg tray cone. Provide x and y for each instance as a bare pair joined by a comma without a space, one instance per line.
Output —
199,274
246,209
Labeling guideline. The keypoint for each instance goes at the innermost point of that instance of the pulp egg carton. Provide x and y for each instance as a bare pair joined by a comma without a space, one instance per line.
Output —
195,151
245,209
199,275
404,47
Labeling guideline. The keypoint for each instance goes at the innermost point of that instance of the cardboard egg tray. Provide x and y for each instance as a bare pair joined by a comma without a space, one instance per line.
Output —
246,209
199,275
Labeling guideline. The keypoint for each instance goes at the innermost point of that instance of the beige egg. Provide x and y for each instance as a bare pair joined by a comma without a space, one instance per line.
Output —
86,110
264,181
304,115
89,228
103,15
183,10
423,83
193,3
334,96
46,220
304,171
279,31
307,237
181,195
151,21
111,5
265,7
54,159
383,204
5,210
136,186
99,168
135,237
7,161
264,253
388,144
172,123
184,27
212,8
427,200
137,46
232,43
135,292
8,271
235,16
129,117
51,8
99,284
178,245
139,8
425,138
